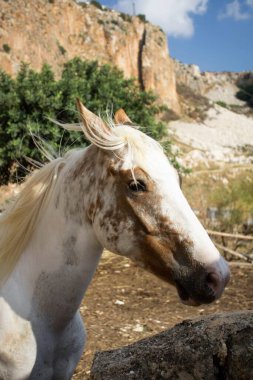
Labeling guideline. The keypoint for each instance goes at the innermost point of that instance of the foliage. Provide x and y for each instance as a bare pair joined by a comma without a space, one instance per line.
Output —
222,104
82,4
6,48
24,102
167,148
125,17
61,48
142,17
96,4
246,93
115,22
237,196
28,102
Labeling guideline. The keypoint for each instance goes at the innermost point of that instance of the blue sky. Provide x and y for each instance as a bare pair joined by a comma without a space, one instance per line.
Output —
217,35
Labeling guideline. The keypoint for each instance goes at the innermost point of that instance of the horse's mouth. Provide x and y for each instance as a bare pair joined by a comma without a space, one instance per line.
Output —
185,297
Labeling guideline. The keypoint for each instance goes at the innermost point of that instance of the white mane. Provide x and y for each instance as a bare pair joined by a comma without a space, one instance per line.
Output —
18,223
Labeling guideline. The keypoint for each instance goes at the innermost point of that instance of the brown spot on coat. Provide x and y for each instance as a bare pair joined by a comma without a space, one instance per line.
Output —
69,250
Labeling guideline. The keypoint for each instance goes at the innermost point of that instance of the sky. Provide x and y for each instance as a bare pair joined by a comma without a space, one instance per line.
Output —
216,35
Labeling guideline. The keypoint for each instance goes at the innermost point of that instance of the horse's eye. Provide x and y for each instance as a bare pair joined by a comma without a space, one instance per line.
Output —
137,186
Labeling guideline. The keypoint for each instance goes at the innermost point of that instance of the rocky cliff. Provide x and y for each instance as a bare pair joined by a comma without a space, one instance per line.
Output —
216,86
54,31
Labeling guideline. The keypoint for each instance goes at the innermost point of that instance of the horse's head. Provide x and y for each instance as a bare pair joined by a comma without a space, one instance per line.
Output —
138,210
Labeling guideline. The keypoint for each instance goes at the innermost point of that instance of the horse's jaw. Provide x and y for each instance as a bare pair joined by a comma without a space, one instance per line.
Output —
196,283
185,297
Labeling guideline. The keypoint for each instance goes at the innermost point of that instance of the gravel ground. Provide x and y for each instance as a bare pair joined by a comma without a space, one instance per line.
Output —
220,138
124,303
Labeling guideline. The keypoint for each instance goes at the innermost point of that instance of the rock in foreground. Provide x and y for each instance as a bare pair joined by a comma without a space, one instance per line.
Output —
219,346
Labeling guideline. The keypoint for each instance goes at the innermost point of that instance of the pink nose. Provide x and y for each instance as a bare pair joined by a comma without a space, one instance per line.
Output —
217,277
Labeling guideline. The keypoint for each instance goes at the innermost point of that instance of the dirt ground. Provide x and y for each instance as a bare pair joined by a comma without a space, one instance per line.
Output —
124,304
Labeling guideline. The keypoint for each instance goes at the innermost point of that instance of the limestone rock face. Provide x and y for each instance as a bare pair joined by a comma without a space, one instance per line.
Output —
218,346
55,31
216,86
157,69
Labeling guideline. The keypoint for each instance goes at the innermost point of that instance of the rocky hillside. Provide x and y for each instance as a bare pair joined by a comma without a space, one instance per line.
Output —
54,31
215,86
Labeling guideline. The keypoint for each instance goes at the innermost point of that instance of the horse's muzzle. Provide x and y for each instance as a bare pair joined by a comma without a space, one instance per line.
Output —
207,287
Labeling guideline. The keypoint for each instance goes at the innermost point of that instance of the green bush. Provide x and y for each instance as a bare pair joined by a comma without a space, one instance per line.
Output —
27,101
142,17
61,48
6,48
237,196
246,94
125,17
96,4
115,22
222,104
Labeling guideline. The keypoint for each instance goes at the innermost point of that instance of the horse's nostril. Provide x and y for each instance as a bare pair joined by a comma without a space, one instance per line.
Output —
213,281
217,277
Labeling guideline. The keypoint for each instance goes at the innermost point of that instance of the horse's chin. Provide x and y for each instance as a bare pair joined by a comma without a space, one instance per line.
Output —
185,297
191,302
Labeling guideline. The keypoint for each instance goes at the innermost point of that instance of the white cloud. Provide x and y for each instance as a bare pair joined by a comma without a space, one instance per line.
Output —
234,10
173,16
249,3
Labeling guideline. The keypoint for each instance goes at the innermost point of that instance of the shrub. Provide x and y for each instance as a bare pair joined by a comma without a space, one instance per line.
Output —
115,22
142,17
222,104
27,101
96,4
126,17
6,48
167,148
82,4
24,103
237,197
246,94
63,51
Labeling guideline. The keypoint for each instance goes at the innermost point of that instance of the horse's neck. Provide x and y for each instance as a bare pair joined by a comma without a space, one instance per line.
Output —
58,264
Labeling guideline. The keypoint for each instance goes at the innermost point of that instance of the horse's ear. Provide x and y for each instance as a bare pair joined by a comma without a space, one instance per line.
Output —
89,119
121,117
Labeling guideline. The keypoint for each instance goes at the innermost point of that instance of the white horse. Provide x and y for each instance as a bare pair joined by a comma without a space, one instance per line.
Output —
120,193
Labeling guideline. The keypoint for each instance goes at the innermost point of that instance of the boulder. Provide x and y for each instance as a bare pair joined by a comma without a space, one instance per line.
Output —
218,346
